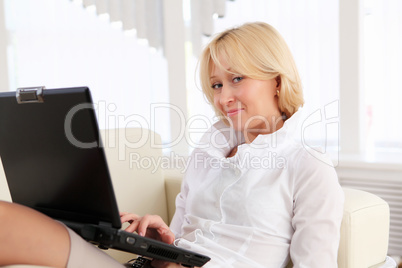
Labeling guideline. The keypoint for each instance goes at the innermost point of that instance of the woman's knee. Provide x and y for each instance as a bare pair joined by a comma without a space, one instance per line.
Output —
5,212
10,215
32,237
11,211
4,207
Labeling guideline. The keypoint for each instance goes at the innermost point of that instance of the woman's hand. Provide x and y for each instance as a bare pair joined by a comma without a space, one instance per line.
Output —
154,227
151,226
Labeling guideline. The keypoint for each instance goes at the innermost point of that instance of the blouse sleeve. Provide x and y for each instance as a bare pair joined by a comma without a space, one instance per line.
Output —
318,209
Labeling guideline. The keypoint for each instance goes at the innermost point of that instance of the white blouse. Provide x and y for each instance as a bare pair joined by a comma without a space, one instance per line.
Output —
273,200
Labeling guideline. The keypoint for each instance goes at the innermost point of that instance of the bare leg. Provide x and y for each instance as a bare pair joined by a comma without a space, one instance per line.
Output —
29,237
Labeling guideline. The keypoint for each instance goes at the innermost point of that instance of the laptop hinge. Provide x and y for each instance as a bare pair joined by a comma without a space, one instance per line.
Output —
30,95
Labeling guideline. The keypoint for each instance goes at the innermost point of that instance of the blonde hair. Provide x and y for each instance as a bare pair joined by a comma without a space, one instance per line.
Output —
258,51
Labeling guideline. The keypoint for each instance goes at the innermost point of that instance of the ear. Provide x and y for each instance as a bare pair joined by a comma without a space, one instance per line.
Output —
278,82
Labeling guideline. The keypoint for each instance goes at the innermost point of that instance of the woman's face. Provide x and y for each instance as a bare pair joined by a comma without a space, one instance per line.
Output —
249,105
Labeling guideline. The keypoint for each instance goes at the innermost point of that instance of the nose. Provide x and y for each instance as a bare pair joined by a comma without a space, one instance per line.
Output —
226,97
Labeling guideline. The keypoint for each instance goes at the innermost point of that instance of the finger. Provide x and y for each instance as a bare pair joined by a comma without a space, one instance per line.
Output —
133,219
167,236
129,217
132,227
144,225
156,223
122,213
152,222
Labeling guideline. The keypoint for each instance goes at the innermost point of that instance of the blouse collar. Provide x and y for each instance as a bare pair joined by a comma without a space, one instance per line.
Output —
220,139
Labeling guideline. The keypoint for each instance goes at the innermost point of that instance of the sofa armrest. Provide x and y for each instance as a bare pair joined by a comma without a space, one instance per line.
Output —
364,230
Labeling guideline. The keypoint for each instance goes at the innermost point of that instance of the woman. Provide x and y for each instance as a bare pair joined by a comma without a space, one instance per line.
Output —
259,197
253,196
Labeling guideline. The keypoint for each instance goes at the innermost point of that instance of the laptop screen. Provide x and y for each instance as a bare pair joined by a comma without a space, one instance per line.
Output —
52,159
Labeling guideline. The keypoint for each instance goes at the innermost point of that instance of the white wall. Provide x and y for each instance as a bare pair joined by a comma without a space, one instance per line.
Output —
174,39
350,80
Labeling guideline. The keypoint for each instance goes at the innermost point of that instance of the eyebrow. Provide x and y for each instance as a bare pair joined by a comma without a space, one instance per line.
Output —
212,77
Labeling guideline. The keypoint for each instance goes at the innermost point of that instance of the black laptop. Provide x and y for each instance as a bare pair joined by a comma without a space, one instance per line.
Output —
54,162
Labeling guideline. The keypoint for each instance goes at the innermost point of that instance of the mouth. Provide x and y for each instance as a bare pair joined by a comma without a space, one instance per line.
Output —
233,112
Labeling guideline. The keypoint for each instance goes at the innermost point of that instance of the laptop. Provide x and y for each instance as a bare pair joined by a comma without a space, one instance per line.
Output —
67,181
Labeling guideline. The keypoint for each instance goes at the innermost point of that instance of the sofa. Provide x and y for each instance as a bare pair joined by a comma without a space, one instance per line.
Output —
144,184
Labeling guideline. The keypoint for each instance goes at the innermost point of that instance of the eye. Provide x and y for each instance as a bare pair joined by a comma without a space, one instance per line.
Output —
237,79
216,86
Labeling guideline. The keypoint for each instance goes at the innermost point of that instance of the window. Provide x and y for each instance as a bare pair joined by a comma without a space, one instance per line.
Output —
382,43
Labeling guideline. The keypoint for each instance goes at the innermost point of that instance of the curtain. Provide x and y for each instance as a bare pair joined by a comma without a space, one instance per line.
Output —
143,16
61,44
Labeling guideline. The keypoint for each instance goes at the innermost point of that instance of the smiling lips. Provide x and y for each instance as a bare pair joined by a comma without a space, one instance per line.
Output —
233,112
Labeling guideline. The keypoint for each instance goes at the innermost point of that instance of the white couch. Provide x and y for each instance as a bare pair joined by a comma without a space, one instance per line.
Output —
145,188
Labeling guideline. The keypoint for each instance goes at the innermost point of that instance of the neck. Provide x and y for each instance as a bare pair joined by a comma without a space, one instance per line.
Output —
262,129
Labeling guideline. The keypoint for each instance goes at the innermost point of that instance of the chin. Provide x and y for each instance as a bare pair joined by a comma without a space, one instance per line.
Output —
235,127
